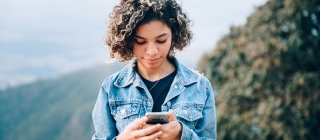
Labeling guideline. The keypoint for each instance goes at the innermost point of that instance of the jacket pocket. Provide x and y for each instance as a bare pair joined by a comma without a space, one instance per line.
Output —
123,111
188,113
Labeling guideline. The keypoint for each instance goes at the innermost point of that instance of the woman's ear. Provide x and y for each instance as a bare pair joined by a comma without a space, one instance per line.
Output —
171,52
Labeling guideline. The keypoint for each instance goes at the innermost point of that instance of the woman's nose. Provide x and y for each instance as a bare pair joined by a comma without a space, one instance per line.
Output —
152,49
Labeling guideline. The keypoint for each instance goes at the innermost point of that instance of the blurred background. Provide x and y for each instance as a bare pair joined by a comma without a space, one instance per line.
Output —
262,58
41,39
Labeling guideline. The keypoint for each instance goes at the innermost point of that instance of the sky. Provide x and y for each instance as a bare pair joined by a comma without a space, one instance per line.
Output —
47,38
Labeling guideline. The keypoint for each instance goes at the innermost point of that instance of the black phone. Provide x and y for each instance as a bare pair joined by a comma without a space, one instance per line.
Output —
157,117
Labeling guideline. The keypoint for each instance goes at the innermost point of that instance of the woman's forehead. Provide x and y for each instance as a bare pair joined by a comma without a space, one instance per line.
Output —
153,29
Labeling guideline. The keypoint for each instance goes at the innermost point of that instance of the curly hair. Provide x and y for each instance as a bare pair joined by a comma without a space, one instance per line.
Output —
130,14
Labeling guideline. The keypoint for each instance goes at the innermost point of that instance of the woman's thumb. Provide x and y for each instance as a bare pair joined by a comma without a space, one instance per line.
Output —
172,117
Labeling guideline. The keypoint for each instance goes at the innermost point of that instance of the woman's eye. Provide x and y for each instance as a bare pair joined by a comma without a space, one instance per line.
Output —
162,41
140,43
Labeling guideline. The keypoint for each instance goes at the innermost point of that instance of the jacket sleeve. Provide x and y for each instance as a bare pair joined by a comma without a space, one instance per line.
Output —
206,127
104,123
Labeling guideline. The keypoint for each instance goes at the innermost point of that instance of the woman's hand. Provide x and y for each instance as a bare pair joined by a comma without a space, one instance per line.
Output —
134,132
171,130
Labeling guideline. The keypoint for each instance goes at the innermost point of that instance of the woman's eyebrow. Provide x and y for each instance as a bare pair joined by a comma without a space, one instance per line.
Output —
164,34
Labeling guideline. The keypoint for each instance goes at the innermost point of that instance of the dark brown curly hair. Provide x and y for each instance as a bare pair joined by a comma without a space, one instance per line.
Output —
130,14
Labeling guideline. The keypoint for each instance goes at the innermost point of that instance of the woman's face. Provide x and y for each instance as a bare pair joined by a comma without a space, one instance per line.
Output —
152,44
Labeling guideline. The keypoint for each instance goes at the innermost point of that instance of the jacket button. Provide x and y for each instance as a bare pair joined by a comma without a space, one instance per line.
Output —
123,111
168,103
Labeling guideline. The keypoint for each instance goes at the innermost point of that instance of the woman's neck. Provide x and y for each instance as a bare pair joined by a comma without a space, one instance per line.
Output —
155,74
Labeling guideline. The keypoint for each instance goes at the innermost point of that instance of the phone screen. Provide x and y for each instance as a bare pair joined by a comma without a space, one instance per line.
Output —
157,117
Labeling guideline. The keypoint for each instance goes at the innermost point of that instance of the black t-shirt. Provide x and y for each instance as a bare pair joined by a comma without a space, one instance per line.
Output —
160,90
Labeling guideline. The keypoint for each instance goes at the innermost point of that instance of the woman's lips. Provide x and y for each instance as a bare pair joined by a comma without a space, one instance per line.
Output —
152,60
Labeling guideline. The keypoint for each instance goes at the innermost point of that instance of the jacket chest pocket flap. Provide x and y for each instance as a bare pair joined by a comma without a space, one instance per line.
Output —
123,111
189,113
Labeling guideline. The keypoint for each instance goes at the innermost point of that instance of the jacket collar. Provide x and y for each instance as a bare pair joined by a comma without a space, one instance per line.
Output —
128,75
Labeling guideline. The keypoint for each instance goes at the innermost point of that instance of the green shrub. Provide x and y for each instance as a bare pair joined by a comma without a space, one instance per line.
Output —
267,73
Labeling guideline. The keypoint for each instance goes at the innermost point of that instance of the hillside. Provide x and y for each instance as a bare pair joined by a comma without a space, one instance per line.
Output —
52,109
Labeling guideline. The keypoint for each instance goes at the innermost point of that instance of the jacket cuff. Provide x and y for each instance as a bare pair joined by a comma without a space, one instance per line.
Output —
185,131
94,138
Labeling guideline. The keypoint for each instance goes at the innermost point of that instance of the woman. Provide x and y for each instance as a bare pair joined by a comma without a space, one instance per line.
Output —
148,32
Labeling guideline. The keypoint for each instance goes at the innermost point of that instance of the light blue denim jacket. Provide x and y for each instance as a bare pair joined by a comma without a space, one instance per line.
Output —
123,97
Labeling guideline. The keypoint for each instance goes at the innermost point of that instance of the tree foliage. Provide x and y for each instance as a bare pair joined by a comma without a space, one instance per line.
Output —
267,73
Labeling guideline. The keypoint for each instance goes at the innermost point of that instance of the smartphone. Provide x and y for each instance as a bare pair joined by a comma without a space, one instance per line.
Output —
157,117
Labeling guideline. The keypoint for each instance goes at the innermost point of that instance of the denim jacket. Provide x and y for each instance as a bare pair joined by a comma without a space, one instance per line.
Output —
123,97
